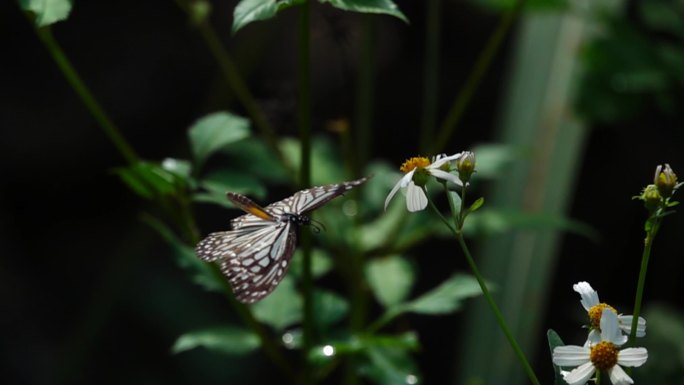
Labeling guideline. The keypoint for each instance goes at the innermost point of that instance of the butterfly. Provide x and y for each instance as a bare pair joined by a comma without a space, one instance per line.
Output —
255,254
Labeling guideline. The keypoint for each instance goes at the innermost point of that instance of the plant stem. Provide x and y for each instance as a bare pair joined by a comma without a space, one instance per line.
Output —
480,68
75,81
231,74
458,217
365,89
305,177
645,256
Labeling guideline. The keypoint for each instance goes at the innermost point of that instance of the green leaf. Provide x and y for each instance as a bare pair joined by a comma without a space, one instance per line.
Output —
47,11
321,263
326,165
150,180
179,167
218,183
554,341
253,157
407,341
199,11
201,273
329,306
223,339
387,7
248,11
213,132
445,298
281,308
494,159
390,279
389,366
477,204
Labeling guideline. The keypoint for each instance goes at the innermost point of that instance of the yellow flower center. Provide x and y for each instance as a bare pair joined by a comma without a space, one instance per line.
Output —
604,355
413,163
595,314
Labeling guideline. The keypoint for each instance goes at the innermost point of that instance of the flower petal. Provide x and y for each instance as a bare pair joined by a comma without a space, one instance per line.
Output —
441,174
416,200
632,357
580,375
403,182
625,322
570,355
441,159
593,338
609,328
618,376
587,293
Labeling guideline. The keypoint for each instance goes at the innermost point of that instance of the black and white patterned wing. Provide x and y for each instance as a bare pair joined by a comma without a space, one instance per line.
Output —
259,260
310,199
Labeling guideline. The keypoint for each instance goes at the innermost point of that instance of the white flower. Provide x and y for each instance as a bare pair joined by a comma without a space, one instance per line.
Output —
602,356
421,168
590,302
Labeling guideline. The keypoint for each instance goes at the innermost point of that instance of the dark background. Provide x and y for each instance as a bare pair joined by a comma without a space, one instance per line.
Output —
89,294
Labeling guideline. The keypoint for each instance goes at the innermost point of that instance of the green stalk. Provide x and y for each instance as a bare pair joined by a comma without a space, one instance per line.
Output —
458,217
305,177
645,256
77,84
480,68
230,72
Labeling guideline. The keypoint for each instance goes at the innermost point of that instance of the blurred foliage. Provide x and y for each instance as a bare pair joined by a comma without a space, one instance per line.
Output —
554,341
635,64
665,343
47,12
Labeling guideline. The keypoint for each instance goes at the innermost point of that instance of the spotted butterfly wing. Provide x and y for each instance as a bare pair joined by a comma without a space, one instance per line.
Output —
255,254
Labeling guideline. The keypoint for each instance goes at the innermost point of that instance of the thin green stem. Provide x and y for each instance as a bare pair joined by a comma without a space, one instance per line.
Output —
476,75
439,214
459,218
231,74
497,313
305,176
75,81
645,256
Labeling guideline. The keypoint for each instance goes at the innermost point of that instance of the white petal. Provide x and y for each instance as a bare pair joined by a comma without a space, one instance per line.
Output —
618,376
415,198
403,182
632,357
441,174
587,293
580,375
570,355
625,322
609,328
439,160
593,338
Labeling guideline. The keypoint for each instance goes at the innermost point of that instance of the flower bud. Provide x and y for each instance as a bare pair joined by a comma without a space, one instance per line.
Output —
665,179
651,197
466,166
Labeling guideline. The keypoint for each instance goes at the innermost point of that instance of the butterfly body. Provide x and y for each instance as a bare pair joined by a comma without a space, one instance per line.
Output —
255,254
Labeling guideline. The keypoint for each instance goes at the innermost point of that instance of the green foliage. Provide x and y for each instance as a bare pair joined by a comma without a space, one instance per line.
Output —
554,341
491,221
630,70
222,339
248,11
321,263
152,181
387,7
200,272
47,12
217,183
537,5
445,298
330,307
389,366
282,308
665,342
390,278
215,131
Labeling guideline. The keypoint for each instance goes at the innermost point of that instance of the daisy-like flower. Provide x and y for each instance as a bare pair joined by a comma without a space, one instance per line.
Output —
418,170
602,356
590,302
